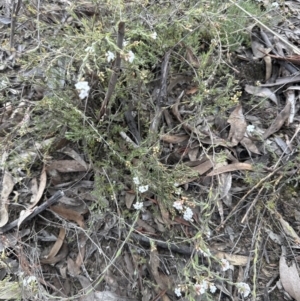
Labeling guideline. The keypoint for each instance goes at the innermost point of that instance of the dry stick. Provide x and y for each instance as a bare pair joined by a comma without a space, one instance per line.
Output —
295,49
15,10
185,250
162,93
115,70
54,199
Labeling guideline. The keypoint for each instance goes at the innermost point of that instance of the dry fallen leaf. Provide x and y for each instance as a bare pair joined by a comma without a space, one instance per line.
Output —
283,81
203,167
110,296
24,214
7,188
39,193
258,48
234,259
87,288
154,264
288,230
238,125
289,277
279,121
129,198
191,91
191,57
261,92
224,187
60,256
230,167
174,138
249,145
70,152
73,268
66,166
291,98
69,214
57,245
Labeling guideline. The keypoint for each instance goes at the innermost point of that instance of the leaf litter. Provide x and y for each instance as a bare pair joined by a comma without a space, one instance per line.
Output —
139,188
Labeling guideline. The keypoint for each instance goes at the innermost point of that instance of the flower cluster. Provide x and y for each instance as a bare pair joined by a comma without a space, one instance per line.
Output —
128,57
141,189
188,214
226,265
243,288
200,288
204,253
153,35
110,56
83,89
138,205
187,211
177,291
250,128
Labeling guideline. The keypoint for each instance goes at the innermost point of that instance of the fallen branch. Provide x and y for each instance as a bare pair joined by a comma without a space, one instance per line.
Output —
15,10
54,199
116,71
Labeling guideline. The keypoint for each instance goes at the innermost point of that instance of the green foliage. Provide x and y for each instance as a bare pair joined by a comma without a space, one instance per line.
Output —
233,22
79,49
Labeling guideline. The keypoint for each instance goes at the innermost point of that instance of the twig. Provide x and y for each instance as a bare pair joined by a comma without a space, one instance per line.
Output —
132,126
185,250
15,10
161,94
115,71
163,82
54,199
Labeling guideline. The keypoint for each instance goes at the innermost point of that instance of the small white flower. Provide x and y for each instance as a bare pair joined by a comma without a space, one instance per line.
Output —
29,280
83,89
138,205
212,288
250,128
204,284
178,205
136,180
129,57
177,291
243,288
110,56
90,49
225,265
200,289
143,188
178,191
205,254
125,43
153,35
275,4
208,233
188,214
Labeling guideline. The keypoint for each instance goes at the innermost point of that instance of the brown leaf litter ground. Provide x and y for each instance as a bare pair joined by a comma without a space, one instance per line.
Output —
149,150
